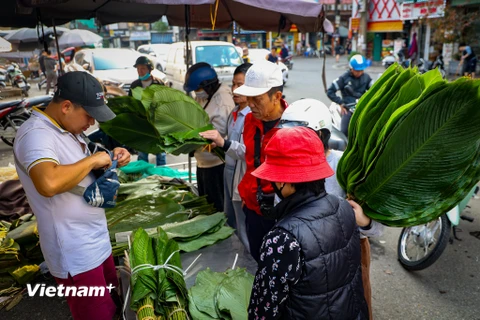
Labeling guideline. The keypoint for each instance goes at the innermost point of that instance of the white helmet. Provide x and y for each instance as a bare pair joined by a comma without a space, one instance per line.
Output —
309,113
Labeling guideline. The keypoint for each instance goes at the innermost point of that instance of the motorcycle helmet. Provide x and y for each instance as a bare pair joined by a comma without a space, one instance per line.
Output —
11,69
309,113
200,76
142,60
358,62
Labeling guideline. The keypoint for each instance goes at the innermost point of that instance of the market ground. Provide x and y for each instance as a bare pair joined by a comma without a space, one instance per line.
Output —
449,289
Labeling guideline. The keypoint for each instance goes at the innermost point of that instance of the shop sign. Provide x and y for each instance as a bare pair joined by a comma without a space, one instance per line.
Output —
418,10
354,24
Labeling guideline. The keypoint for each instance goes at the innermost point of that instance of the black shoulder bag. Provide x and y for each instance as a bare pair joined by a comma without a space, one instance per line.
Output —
265,200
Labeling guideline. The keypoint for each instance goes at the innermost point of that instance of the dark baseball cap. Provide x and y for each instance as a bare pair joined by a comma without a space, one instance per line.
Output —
82,88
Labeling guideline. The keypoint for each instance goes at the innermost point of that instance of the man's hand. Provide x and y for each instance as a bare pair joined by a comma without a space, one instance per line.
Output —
215,136
101,160
360,217
122,155
343,110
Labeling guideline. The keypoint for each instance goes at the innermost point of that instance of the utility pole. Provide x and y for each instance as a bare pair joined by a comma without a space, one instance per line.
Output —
337,25
363,5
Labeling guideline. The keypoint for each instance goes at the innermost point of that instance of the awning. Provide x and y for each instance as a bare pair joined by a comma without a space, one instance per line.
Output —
140,36
385,26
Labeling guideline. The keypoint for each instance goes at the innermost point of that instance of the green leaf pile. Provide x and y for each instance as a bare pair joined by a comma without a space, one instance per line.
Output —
220,295
158,119
414,146
149,203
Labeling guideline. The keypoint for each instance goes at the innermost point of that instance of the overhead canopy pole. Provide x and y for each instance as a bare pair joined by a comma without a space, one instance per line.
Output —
58,47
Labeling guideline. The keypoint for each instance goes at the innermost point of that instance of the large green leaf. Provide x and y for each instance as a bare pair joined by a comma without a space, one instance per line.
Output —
203,291
430,153
206,239
233,294
145,212
127,104
158,119
132,130
193,227
143,281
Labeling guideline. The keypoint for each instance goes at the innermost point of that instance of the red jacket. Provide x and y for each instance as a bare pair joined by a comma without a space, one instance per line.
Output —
248,186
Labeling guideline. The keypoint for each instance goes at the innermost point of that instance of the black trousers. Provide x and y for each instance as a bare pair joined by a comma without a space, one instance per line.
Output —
257,228
345,122
210,183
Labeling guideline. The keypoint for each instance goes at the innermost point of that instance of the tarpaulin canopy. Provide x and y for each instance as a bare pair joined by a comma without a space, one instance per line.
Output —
5,46
31,34
79,38
249,14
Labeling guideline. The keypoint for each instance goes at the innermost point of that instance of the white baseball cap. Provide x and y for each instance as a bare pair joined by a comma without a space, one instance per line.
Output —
260,78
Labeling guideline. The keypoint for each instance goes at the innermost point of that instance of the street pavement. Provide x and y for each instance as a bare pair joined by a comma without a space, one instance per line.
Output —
449,289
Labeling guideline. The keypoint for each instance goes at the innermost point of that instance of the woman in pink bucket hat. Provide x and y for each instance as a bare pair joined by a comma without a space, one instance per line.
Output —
309,265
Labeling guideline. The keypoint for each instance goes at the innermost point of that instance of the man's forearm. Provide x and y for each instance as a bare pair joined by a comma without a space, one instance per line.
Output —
51,179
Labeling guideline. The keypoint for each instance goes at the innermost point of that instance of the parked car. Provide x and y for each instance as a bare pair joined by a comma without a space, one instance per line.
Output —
220,55
261,54
157,53
111,65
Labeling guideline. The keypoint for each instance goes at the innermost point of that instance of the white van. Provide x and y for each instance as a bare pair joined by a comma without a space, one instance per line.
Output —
221,55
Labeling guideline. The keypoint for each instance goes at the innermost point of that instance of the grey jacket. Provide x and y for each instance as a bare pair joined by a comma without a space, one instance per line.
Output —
235,154
218,110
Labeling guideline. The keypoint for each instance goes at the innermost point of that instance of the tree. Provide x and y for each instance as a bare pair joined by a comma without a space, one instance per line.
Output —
160,26
454,26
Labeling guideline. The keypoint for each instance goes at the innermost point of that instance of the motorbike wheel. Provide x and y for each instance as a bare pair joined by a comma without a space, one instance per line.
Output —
420,246
10,132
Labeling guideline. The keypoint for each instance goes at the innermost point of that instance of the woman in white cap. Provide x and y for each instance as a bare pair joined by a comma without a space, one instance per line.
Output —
309,266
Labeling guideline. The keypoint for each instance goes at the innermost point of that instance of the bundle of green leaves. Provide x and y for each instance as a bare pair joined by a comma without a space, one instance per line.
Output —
158,119
223,295
157,291
414,146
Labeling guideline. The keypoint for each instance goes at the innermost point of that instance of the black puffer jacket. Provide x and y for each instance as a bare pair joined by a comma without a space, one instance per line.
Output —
358,85
331,283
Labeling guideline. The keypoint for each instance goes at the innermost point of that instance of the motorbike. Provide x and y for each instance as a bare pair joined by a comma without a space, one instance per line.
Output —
17,79
3,78
12,116
338,140
420,246
424,66
288,61
389,60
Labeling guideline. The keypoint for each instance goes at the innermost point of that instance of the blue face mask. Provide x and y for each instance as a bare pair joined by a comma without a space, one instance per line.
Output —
145,77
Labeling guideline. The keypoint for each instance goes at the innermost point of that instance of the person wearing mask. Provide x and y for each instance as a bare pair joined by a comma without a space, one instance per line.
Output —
309,266
468,61
352,85
245,57
234,155
263,88
50,71
144,68
314,114
68,184
216,99
272,56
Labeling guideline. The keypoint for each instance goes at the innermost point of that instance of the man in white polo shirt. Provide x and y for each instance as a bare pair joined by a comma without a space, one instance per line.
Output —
53,160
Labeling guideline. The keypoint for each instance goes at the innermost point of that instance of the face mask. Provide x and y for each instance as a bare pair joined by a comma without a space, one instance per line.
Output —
145,77
202,95
278,191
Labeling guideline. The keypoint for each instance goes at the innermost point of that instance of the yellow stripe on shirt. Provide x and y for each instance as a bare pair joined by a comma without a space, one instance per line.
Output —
41,160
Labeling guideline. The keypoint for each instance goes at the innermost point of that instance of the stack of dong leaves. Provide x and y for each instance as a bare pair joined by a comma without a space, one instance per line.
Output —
414,146
158,119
